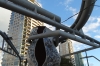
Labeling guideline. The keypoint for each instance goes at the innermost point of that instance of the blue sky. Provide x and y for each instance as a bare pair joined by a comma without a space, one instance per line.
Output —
65,9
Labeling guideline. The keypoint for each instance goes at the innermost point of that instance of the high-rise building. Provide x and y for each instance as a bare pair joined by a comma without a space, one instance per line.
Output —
19,29
78,60
66,48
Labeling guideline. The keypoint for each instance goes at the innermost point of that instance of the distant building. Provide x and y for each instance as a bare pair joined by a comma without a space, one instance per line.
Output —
66,48
78,60
19,29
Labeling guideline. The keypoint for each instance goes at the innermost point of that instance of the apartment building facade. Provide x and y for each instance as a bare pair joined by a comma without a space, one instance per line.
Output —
19,29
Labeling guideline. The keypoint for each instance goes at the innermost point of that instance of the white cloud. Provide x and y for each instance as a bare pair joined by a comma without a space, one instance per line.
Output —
97,36
4,19
67,3
74,11
97,30
92,25
68,7
91,19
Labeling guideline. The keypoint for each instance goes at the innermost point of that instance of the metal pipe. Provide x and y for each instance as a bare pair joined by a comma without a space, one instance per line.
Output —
39,10
63,34
3,44
96,58
81,51
87,58
19,9
8,52
91,56
20,62
84,14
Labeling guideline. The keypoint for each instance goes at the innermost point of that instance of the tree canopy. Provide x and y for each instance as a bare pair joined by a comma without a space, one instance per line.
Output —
65,62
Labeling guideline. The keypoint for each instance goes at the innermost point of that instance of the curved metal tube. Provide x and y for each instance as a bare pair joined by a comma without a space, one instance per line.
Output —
63,34
84,14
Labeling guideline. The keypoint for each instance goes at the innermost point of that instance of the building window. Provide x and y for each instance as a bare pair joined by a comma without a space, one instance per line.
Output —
3,65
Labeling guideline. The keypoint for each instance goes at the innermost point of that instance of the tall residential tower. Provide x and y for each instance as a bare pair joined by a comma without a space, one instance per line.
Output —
19,29
66,48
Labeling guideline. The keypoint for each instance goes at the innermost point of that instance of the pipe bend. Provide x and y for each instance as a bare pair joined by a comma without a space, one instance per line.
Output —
84,14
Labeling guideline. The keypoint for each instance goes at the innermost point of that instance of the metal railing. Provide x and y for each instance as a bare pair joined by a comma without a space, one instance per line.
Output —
10,48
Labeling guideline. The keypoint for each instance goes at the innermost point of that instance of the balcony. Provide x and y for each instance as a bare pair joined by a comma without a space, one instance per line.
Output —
27,36
27,44
29,24
22,46
22,51
28,33
26,48
25,52
22,54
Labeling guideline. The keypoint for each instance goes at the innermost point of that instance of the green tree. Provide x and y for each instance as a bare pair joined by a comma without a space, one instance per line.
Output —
65,62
